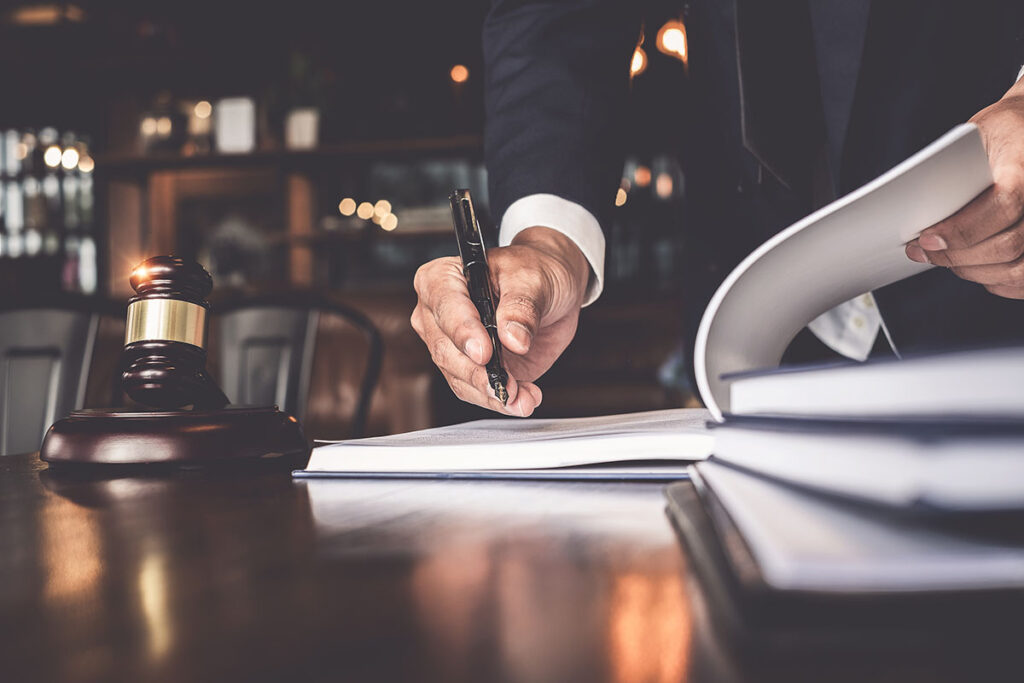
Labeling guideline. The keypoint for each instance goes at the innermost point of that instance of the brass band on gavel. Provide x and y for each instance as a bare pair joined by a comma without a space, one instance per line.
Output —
166,319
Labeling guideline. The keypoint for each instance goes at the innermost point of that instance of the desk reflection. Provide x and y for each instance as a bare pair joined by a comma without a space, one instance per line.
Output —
549,582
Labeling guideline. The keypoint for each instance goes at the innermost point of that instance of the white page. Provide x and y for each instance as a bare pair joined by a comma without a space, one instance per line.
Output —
852,246
525,444
801,542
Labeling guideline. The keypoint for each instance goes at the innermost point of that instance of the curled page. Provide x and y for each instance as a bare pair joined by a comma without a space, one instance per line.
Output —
852,246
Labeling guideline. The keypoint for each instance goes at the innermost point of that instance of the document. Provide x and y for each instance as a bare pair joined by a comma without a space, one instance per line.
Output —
649,445
852,246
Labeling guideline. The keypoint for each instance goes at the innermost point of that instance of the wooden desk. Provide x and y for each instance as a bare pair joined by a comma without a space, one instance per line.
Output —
250,576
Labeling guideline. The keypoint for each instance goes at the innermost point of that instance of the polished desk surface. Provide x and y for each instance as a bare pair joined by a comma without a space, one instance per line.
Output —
249,575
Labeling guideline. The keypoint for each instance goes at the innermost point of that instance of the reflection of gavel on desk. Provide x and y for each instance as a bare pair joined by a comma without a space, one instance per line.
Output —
164,368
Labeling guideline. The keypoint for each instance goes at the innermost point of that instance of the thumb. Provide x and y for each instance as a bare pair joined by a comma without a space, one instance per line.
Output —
519,312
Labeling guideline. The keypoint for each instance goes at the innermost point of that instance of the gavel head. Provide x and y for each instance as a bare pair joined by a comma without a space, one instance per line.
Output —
164,357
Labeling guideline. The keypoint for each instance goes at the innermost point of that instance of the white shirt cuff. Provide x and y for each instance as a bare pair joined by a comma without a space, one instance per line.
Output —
568,218
1020,74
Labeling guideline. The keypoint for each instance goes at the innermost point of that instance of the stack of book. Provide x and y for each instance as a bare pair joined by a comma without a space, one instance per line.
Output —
892,488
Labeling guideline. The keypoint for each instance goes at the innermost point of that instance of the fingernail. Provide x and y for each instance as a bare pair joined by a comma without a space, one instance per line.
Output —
932,242
522,412
916,253
519,332
474,349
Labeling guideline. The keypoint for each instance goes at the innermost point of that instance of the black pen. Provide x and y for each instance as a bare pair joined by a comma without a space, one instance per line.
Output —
478,280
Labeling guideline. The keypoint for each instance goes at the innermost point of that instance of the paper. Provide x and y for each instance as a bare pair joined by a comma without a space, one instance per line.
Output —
852,246
801,542
494,445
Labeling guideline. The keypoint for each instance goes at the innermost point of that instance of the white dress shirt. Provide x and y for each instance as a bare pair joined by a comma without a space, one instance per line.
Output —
849,329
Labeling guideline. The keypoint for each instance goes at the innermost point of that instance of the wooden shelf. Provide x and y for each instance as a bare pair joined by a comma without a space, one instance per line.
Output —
138,164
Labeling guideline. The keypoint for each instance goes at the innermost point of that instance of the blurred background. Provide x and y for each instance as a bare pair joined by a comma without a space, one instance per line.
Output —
303,153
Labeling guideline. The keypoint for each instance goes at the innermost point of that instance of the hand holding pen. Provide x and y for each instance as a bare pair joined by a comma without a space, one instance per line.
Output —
538,282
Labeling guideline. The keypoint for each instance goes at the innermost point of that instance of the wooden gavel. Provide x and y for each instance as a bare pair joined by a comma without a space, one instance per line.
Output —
164,356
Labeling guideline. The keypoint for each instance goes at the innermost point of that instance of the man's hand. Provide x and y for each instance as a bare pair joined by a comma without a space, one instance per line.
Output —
984,241
540,280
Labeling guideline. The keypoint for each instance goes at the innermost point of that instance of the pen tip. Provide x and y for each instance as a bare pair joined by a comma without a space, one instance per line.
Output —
501,393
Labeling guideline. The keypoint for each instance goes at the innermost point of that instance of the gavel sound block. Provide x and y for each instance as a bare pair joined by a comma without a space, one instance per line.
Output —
164,368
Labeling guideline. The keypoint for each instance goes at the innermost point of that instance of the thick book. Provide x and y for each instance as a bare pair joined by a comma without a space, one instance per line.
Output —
976,384
808,569
927,464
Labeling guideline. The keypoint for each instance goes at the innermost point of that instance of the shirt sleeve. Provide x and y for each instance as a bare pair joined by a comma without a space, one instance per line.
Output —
1020,74
568,218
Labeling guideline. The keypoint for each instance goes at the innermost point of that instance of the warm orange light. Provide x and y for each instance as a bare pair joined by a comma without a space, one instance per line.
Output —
382,208
459,74
163,126
46,14
672,40
203,109
620,197
148,126
364,210
639,63
642,176
141,273
389,222
86,164
663,185
347,206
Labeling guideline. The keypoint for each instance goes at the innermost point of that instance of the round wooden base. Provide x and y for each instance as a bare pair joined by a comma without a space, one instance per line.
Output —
180,437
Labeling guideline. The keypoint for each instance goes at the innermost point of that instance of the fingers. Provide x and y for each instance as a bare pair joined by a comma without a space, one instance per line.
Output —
988,214
442,292
520,308
466,377
522,403
1004,247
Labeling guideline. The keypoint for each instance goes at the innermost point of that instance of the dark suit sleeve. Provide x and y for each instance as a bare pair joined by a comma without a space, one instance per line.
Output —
557,81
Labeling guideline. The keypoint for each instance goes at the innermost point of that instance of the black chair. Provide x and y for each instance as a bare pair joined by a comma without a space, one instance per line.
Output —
265,348
46,350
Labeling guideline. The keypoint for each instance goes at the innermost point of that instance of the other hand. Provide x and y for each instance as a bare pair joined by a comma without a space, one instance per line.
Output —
984,241
540,280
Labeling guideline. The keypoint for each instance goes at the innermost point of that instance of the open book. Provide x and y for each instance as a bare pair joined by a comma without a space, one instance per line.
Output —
653,445
852,246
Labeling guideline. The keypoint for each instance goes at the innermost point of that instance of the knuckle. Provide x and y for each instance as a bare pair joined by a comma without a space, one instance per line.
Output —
439,350
1011,244
1010,200
442,310
523,305
419,281
466,328
1017,273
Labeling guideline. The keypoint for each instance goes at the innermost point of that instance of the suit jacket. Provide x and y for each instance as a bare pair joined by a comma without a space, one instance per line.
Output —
894,75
